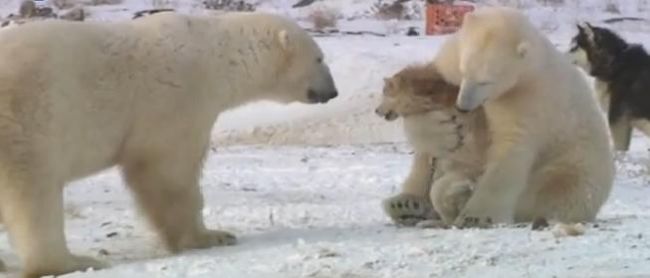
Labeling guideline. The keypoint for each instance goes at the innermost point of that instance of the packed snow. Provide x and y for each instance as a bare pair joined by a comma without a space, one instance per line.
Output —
301,186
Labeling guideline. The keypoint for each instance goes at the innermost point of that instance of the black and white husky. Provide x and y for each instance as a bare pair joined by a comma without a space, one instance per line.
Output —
622,74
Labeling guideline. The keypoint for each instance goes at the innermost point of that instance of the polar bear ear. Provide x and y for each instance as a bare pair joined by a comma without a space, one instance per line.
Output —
522,49
283,38
389,82
392,82
468,16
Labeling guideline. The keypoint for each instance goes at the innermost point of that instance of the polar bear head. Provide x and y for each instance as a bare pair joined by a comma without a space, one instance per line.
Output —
305,74
293,63
496,50
278,59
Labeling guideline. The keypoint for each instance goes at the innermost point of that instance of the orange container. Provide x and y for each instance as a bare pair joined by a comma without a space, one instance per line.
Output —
445,18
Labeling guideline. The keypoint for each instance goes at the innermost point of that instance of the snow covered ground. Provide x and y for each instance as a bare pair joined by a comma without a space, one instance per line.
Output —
304,197
315,212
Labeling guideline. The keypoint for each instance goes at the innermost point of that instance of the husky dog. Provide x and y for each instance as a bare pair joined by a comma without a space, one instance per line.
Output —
449,146
622,74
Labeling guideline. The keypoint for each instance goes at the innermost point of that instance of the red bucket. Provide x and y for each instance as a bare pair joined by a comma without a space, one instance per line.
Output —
445,18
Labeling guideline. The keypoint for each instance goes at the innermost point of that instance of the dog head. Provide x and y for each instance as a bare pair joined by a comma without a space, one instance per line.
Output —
415,90
594,49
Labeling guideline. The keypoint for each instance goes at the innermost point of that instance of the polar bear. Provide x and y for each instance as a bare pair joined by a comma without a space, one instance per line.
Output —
448,145
142,95
550,154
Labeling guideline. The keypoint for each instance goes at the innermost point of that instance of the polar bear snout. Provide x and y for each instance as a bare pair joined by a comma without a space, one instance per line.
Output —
321,96
471,96
323,89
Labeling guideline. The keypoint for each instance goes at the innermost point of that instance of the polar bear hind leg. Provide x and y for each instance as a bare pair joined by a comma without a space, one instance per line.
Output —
565,193
32,210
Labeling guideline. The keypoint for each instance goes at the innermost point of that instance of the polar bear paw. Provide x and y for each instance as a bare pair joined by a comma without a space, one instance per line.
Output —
218,238
84,263
408,210
480,218
469,221
212,238
70,264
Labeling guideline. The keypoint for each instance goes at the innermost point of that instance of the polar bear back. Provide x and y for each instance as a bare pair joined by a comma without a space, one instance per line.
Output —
112,85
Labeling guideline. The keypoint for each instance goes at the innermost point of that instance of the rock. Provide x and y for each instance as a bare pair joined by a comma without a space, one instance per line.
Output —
75,14
27,8
144,13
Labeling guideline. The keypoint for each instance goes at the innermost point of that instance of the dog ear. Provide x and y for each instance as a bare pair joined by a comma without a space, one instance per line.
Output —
589,31
392,82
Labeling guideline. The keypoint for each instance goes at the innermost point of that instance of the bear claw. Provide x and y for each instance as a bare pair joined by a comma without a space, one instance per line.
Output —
408,210
464,221
215,238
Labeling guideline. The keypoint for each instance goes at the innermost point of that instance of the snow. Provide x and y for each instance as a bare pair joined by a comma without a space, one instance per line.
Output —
315,212
301,186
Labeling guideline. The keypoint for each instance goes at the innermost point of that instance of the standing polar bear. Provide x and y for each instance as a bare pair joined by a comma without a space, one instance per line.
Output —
76,98
550,154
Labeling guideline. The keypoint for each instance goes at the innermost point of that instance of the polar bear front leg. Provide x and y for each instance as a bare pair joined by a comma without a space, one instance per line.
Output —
32,209
496,194
166,188
3,267
412,205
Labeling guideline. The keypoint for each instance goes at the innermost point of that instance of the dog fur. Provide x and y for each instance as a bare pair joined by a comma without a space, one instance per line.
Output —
622,74
449,146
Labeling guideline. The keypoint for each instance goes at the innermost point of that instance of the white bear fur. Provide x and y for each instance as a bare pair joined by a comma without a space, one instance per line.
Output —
77,98
550,154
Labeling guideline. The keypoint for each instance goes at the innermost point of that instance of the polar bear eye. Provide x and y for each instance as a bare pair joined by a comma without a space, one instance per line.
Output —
319,60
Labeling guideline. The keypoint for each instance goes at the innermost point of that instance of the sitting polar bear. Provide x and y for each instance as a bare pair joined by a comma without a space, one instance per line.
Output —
77,98
541,151
550,154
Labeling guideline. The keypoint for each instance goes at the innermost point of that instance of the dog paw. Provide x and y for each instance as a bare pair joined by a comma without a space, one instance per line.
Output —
449,198
408,210
452,134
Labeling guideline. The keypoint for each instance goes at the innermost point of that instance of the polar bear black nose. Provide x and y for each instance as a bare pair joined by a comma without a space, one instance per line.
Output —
461,110
321,97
